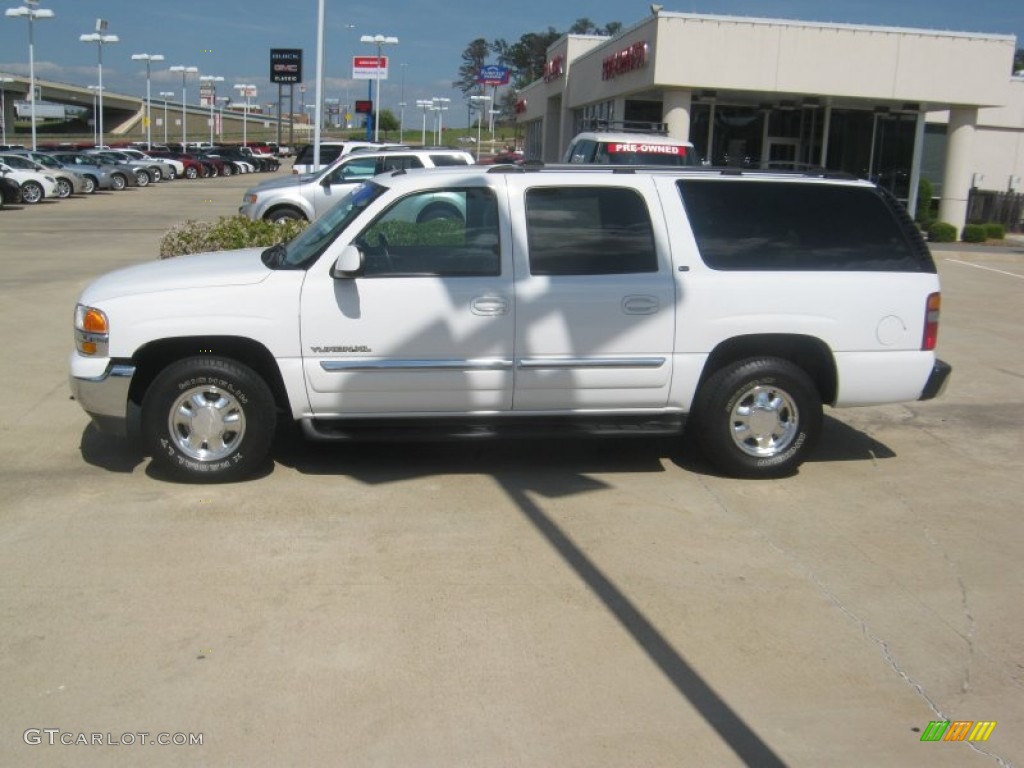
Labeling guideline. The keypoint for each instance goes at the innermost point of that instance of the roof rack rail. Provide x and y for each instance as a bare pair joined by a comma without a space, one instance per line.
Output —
626,126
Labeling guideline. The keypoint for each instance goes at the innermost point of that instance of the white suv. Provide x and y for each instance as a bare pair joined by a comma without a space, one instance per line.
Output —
309,195
614,144
561,301
329,152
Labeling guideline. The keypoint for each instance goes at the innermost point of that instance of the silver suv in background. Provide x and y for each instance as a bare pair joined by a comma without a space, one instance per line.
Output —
309,195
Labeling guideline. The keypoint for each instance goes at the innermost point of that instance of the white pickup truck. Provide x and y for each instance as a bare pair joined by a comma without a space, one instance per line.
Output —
556,301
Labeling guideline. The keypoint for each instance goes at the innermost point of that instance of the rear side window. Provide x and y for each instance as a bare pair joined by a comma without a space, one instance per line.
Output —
328,154
443,160
588,231
778,226
398,163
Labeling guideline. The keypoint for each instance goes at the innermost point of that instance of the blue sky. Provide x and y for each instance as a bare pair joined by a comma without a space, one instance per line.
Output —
232,38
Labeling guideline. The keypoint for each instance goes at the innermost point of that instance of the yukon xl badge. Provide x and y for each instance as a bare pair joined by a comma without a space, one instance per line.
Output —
330,350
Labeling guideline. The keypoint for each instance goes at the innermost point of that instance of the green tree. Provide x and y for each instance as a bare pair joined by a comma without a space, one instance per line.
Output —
527,56
388,121
473,59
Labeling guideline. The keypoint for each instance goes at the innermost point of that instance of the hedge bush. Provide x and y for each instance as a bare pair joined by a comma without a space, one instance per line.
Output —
941,232
973,233
923,214
226,234
995,231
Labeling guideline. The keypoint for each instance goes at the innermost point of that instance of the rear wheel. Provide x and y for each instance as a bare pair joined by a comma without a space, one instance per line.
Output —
32,192
143,178
757,418
208,419
228,170
155,174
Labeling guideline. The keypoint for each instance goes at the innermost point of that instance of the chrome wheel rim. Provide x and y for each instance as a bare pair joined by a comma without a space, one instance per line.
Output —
30,193
207,423
764,422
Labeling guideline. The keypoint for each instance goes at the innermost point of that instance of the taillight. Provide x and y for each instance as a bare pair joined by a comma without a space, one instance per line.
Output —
931,322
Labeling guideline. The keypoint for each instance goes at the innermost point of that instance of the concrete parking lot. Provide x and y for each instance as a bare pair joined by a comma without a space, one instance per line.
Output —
507,604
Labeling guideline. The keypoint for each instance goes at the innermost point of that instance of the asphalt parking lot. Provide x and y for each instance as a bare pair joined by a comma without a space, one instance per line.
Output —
515,604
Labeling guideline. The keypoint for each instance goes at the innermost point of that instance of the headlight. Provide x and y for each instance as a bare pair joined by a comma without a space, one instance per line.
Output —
92,331
249,199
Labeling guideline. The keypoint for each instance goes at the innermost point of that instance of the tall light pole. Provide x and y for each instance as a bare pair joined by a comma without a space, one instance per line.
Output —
401,108
100,39
247,90
211,79
440,103
185,72
480,101
32,11
149,58
426,106
96,89
380,41
3,107
224,101
166,95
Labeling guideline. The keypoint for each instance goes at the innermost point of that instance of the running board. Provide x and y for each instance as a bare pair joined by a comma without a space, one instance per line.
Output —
438,430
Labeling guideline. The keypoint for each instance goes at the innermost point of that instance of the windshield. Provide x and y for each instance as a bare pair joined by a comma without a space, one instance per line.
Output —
313,241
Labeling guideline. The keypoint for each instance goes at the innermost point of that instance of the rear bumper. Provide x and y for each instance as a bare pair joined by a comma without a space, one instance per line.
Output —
937,381
105,397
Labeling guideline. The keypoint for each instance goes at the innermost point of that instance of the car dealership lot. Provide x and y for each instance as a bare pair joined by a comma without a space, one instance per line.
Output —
529,603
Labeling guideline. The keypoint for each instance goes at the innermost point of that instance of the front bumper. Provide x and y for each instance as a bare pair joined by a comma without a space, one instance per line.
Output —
937,380
105,397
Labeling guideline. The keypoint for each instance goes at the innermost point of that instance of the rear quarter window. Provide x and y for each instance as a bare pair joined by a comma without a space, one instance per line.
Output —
779,226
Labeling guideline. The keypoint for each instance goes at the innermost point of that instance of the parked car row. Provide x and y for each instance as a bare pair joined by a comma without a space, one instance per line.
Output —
60,172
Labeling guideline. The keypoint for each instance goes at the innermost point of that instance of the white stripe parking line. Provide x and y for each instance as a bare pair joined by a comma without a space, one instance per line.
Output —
987,269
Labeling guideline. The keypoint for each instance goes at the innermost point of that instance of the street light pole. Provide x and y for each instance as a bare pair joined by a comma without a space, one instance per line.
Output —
185,72
95,116
166,95
149,58
401,108
213,97
426,106
479,101
32,11
247,90
380,41
439,105
100,39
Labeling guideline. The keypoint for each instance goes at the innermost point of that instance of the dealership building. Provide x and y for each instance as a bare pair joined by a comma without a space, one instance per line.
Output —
890,104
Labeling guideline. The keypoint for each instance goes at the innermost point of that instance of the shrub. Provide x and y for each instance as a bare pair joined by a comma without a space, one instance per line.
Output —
923,214
941,232
973,233
226,234
995,231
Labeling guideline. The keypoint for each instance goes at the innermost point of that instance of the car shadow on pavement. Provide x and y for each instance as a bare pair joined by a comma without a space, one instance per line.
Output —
114,454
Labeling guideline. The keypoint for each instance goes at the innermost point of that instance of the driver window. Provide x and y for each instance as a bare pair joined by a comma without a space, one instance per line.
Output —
449,233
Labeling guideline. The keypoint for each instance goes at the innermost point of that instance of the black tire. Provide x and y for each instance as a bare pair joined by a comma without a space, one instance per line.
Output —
155,174
284,214
757,418
208,420
64,188
32,192
118,181
439,212
191,172
228,170
91,185
143,178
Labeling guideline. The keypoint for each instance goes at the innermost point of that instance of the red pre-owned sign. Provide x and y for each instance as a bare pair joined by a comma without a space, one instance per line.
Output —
648,149
369,67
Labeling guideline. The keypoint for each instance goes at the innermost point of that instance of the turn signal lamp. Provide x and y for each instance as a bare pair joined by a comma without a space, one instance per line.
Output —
931,322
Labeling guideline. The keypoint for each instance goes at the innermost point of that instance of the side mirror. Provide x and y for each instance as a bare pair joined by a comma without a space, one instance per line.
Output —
349,264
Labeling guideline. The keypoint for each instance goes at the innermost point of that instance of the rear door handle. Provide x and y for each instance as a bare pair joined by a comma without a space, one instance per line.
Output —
489,305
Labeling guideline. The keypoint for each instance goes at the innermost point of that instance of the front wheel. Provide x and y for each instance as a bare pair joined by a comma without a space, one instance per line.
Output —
118,181
208,420
32,192
191,173
90,184
757,418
